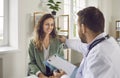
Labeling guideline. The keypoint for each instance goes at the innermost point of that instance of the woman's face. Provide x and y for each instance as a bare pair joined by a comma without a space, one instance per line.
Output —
48,26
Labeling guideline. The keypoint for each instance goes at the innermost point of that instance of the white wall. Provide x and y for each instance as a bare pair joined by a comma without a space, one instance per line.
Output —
116,9
106,7
1,67
116,12
14,64
110,8
111,11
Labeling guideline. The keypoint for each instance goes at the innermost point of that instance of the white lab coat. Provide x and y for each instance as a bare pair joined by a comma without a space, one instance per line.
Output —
103,60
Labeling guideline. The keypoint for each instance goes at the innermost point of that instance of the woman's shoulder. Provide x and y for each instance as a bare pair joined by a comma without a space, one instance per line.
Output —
31,42
56,40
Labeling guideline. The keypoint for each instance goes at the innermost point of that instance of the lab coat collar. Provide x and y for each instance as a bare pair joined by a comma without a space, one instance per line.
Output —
98,37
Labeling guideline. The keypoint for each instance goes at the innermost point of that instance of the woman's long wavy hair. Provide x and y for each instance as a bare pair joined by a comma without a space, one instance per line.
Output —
39,34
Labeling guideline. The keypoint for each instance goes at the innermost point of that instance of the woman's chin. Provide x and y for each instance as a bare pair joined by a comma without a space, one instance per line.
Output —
48,33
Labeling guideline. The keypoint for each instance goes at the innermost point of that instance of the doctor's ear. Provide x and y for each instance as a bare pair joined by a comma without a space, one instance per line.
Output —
83,28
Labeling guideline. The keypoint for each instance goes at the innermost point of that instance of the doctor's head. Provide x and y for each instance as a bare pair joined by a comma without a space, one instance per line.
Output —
90,23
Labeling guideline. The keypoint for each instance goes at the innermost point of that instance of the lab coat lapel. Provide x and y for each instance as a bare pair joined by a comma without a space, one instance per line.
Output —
80,69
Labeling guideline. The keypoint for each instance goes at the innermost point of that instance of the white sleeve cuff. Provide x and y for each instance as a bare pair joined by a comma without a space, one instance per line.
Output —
66,41
38,73
65,76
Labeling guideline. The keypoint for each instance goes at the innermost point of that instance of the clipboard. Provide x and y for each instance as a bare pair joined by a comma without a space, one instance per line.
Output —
60,63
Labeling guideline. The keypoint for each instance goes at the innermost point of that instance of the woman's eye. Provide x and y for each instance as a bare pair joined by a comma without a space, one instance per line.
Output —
47,24
52,24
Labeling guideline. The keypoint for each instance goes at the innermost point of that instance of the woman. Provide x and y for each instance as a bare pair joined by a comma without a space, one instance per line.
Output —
43,45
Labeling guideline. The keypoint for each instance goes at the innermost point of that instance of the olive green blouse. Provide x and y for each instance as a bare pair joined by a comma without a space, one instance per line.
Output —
37,57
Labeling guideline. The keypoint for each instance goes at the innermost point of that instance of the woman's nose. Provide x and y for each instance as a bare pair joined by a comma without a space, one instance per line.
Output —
50,26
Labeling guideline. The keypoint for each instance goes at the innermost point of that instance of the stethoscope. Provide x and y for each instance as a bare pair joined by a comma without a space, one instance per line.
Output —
97,42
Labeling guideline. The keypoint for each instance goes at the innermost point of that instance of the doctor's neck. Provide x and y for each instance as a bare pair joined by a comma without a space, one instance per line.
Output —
91,36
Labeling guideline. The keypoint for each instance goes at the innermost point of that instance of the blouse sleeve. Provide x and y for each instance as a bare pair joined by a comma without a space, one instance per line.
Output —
60,50
33,68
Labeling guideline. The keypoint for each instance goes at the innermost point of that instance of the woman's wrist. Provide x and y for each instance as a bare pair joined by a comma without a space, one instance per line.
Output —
39,74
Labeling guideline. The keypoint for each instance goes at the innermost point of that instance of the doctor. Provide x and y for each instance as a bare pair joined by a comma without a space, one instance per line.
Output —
101,52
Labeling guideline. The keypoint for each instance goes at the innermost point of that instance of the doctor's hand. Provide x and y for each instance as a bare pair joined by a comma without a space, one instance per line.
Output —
58,74
41,75
62,39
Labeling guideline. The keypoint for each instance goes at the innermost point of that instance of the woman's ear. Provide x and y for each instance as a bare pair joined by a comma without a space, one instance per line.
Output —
83,28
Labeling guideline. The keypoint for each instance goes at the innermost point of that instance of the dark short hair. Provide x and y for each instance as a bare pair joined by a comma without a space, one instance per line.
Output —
92,18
